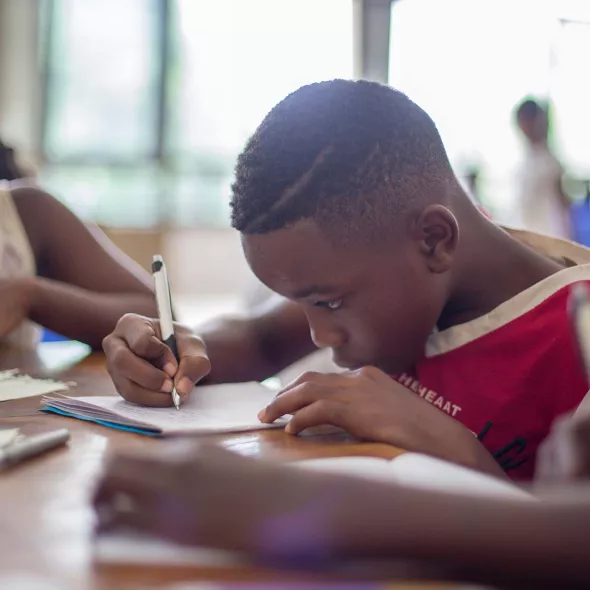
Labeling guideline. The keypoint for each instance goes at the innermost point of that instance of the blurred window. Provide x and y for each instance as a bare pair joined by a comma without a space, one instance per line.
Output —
148,102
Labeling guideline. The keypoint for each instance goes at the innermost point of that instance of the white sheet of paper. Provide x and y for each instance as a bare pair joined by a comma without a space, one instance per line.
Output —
230,407
16,386
420,471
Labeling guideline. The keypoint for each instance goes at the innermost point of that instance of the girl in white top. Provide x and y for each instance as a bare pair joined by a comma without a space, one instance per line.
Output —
542,204
58,273
16,262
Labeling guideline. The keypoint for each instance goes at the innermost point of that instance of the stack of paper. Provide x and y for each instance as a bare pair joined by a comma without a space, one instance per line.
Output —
420,471
230,407
14,385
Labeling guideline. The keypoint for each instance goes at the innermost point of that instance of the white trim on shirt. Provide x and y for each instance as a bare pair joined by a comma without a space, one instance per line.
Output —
456,336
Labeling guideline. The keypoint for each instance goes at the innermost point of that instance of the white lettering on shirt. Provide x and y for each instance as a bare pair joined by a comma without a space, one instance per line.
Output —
427,394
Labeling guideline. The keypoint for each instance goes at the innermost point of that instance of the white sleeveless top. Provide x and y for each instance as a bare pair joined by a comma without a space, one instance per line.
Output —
538,199
16,260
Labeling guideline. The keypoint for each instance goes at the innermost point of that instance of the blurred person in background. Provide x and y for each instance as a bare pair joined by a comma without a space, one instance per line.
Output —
55,271
542,204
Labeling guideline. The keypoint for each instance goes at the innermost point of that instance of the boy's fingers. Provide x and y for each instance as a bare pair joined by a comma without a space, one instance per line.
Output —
194,364
292,401
121,362
142,336
317,414
312,377
136,394
150,347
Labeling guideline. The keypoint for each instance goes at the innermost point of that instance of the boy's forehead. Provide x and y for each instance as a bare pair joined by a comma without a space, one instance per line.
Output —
300,256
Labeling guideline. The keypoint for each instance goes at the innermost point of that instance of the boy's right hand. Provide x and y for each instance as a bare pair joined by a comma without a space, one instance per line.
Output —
144,369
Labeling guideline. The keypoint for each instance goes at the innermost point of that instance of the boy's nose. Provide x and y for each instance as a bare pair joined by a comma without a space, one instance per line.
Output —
324,333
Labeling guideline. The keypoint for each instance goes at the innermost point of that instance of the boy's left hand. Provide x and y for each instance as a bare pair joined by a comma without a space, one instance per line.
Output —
370,405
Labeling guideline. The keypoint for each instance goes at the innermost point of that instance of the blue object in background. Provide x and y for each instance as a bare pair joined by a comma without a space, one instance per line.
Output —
49,336
580,216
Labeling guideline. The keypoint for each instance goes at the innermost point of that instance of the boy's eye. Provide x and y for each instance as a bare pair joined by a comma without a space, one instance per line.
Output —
332,305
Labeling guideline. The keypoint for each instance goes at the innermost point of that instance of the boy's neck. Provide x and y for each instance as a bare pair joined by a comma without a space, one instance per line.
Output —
497,268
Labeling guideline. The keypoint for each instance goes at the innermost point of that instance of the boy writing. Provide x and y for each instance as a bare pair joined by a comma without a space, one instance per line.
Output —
349,209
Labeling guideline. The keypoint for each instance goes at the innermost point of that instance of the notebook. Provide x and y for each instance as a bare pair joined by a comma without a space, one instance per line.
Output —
410,469
210,408
229,407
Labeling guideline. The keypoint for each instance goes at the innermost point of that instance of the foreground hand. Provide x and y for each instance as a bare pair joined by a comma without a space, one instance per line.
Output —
370,405
14,302
206,495
144,369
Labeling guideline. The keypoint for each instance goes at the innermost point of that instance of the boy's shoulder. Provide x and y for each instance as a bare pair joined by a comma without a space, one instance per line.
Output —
563,251
509,374
544,302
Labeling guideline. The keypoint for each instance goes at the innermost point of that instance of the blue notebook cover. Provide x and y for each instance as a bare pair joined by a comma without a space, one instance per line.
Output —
51,409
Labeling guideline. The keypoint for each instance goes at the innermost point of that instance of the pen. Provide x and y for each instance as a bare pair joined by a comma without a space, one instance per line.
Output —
164,303
32,446
579,304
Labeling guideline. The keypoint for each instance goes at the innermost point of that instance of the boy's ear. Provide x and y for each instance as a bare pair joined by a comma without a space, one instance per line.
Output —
437,233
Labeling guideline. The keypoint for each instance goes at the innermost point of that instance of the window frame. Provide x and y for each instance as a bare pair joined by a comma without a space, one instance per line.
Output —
370,56
163,52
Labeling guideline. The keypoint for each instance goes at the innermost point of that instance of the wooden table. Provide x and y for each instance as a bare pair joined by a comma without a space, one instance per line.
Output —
46,519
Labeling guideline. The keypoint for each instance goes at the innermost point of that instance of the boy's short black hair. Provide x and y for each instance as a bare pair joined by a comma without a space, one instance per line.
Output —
338,151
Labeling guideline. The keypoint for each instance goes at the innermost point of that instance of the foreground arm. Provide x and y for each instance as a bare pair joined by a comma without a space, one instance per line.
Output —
285,513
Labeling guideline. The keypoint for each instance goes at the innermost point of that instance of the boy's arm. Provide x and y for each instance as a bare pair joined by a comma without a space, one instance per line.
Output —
85,284
281,512
270,337
536,540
